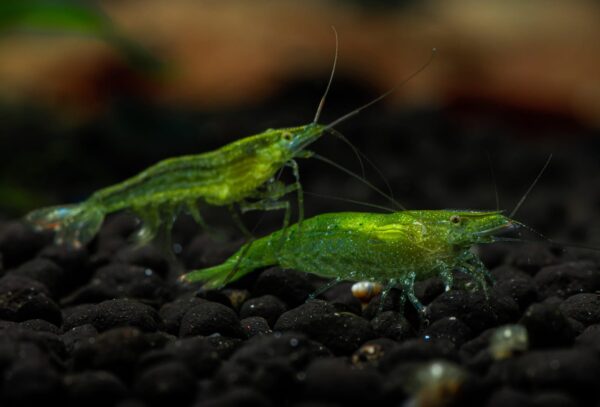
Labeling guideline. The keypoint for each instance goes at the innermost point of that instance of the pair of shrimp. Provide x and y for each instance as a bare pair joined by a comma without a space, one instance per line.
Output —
393,249
241,173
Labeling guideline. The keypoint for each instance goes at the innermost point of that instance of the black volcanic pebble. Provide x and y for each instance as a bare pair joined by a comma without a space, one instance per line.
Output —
371,352
45,271
449,328
95,388
340,296
584,308
553,399
507,396
335,381
18,243
22,298
241,396
124,312
206,250
74,263
166,384
78,336
474,309
291,286
147,257
531,257
78,315
427,290
515,283
268,306
567,279
393,302
46,341
29,384
121,281
342,332
269,363
574,370
172,313
547,325
131,280
393,325
72,260
590,337
116,350
130,402
253,326
200,354
211,318
418,350
40,325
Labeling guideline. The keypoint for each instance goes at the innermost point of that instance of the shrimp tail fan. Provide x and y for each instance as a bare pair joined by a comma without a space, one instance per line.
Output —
255,254
74,225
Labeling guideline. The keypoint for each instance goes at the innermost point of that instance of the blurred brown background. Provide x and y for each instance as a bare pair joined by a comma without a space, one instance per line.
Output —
536,55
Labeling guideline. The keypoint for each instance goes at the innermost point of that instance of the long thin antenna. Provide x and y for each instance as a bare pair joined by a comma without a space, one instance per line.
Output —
339,135
364,181
382,96
548,241
526,194
357,153
322,102
352,201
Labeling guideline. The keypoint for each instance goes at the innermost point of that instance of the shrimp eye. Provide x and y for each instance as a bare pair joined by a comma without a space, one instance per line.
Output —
455,219
287,136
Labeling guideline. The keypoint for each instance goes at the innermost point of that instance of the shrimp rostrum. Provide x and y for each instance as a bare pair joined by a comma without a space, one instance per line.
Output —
394,249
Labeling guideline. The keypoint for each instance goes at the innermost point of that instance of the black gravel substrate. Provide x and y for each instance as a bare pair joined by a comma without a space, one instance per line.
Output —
108,325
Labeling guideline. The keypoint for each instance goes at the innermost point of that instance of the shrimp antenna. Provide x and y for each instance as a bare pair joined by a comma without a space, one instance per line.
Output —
352,201
360,154
549,241
526,194
364,181
382,96
322,102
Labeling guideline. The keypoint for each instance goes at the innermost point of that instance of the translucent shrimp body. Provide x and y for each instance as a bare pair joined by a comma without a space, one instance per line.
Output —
393,249
238,171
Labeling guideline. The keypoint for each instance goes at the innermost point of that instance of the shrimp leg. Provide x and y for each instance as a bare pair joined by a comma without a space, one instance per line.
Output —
324,288
385,292
446,275
408,287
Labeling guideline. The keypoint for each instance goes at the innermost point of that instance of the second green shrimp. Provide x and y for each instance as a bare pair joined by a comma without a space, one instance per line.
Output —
394,249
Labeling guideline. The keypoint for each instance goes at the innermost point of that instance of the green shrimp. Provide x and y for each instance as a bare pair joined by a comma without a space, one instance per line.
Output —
394,249
233,174
241,173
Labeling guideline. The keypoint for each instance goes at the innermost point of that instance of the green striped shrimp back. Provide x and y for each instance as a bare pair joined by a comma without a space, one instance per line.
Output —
360,246
339,245
218,177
